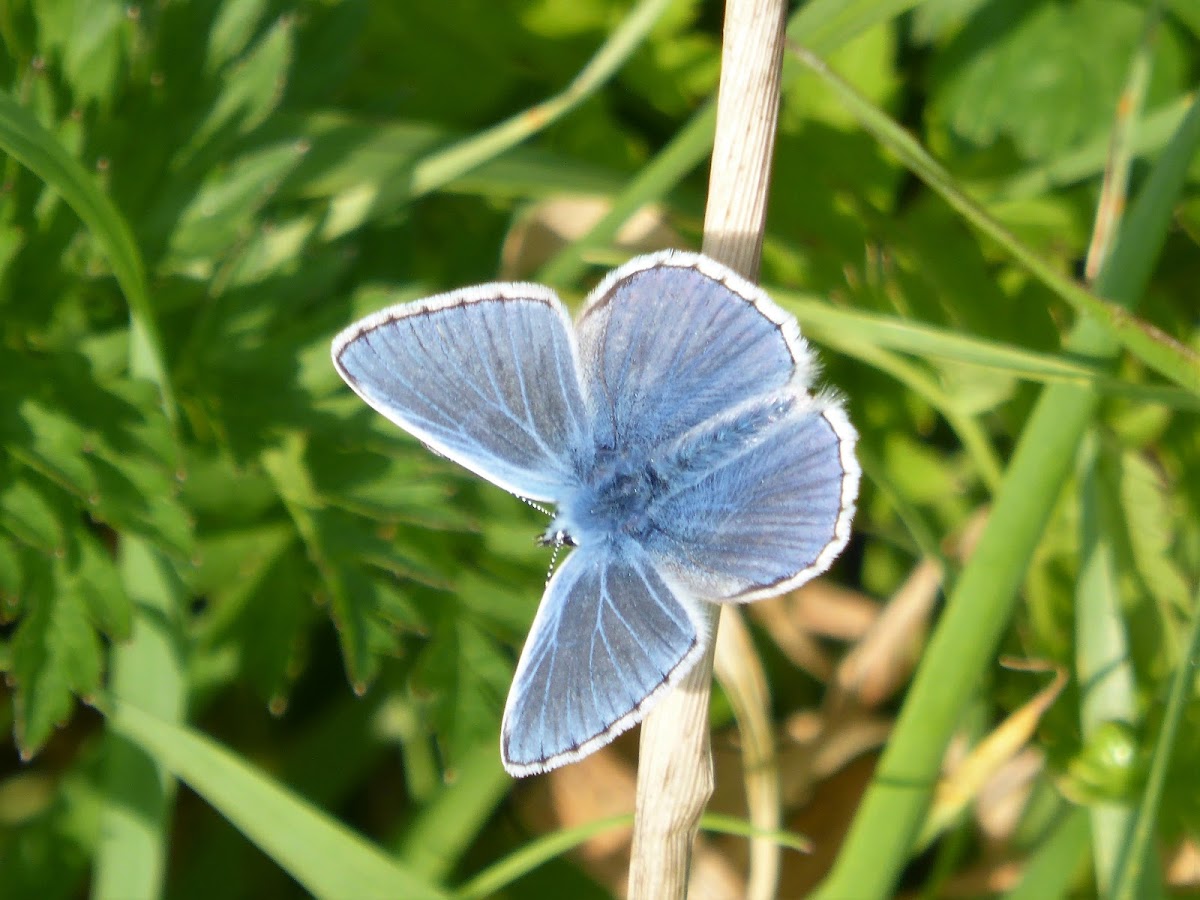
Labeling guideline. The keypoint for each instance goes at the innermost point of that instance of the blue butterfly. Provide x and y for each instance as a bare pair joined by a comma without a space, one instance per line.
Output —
673,429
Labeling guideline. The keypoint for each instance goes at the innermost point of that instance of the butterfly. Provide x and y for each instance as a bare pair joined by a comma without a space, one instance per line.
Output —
672,427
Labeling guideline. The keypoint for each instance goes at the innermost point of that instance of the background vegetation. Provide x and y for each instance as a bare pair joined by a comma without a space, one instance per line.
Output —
216,563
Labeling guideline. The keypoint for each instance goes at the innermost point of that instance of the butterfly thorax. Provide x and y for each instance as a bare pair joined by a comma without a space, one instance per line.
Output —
622,494
614,500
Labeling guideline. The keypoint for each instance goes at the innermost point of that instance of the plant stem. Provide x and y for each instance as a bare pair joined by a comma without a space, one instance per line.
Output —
675,768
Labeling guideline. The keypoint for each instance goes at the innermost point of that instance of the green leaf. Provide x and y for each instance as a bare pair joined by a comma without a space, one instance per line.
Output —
1152,526
402,484
716,823
279,822
1186,12
88,36
98,582
55,656
11,576
233,28
468,678
1041,74
348,588
32,513
46,854
259,588
105,444
451,163
223,210
1088,160
57,443
250,91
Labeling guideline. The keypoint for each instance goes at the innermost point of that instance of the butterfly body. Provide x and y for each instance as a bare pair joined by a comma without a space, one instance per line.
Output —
615,499
673,429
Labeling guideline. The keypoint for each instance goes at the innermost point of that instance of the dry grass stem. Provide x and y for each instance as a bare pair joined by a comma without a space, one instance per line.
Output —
741,674
675,766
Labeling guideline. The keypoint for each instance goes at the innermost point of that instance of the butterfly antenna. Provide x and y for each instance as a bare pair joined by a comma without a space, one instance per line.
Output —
537,506
558,545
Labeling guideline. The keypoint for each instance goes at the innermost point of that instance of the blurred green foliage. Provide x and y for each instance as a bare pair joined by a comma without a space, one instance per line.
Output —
262,155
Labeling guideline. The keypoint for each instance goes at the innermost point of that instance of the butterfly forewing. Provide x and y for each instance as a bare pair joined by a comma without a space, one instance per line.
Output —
671,340
609,637
487,376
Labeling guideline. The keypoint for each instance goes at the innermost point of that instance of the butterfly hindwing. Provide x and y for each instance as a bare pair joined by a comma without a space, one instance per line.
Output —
609,637
487,376
763,500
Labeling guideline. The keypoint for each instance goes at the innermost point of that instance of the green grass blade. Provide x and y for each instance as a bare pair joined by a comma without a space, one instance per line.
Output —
23,138
1157,350
460,163
917,379
924,537
1103,665
1138,856
824,25
1051,871
654,181
1146,225
535,853
433,843
280,823
1126,122
721,824
542,850
848,328
148,670
446,165
982,601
